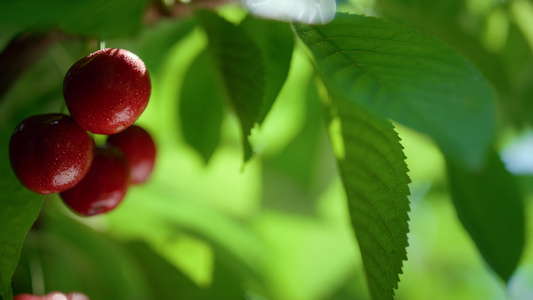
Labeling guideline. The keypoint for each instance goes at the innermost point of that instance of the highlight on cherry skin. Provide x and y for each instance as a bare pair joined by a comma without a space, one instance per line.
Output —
107,91
140,151
52,296
50,153
104,186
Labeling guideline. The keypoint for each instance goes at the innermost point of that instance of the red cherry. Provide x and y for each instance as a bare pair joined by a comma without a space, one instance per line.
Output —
139,148
104,186
50,153
107,91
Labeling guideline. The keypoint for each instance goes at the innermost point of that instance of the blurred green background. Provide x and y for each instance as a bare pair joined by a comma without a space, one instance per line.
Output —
276,227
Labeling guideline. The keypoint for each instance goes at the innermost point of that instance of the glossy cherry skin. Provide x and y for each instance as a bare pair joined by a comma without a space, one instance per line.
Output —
52,296
107,91
139,148
50,153
104,186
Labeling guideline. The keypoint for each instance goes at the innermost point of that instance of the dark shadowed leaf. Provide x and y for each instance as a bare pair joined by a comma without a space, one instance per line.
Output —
99,18
239,67
158,40
490,205
374,174
415,79
201,107
276,41
19,209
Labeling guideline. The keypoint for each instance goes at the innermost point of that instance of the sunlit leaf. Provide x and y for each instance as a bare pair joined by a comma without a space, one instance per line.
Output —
276,41
201,107
101,18
19,209
239,67
415,79
490,205
374,174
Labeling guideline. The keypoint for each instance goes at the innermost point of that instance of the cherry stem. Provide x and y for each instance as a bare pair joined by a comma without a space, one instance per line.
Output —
35,265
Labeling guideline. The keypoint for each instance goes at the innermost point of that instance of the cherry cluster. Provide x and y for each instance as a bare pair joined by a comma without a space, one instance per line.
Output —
105,93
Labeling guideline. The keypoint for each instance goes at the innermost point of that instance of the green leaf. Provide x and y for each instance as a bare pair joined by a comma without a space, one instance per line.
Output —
168,282
160,213
490,205
415,79
445,20
294,179
436,8
165,280
19,209
276,41
156,41
239,65
201,107
77,257
500,61
101,18
375,178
